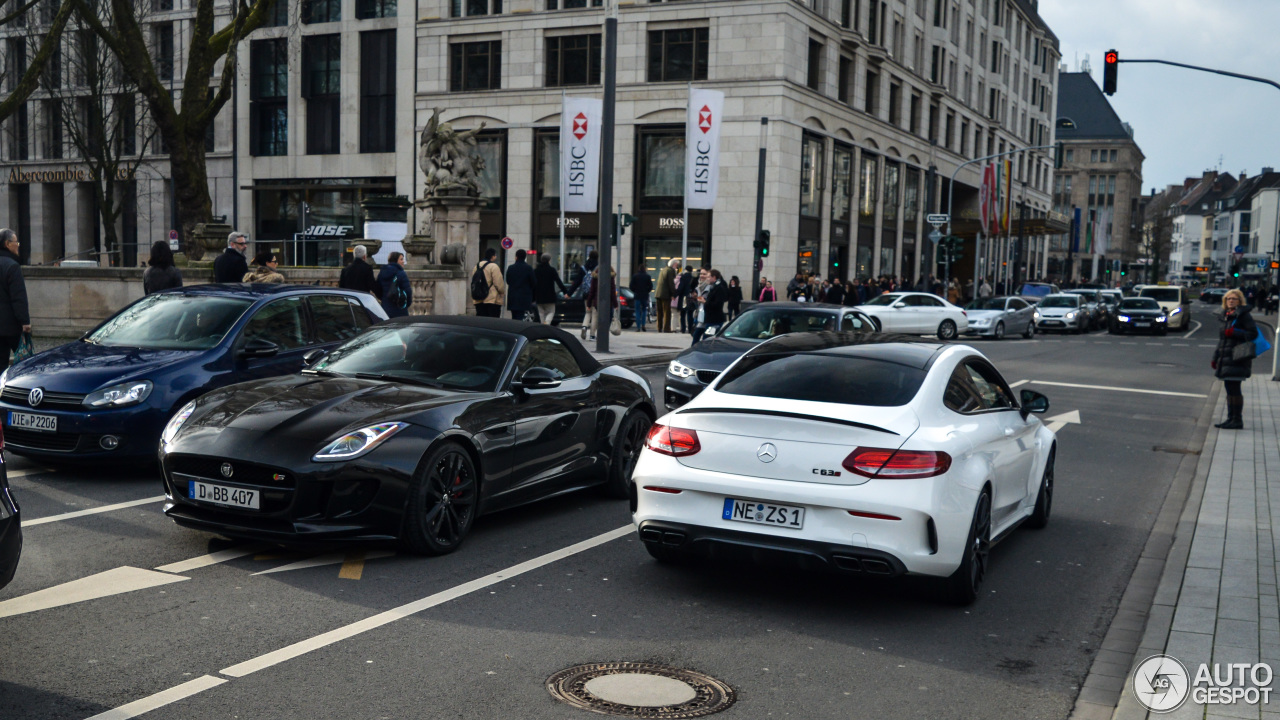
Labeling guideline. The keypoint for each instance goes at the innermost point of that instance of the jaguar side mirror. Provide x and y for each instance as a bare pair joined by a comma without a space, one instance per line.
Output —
536,378
1033,402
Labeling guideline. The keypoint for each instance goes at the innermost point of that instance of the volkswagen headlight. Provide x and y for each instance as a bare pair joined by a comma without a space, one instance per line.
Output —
175,423
130,393
358,442
1122,318
1036,314
680,370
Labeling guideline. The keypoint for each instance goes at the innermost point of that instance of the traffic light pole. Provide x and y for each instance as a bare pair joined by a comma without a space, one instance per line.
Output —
755,256
1228,73
604,289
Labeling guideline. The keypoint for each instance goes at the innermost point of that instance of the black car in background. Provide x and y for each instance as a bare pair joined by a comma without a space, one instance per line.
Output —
1213,295
571,310
697,367
407,432
1139,315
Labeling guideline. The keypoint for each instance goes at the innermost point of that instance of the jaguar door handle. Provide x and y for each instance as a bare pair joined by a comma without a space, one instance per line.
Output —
501,429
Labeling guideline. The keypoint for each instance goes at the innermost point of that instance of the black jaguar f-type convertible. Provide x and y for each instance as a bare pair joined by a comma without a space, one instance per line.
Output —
407,432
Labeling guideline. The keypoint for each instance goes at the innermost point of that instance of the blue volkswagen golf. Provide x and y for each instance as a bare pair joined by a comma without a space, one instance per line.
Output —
108,395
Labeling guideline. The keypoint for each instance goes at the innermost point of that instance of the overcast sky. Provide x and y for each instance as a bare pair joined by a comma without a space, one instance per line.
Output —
1184,120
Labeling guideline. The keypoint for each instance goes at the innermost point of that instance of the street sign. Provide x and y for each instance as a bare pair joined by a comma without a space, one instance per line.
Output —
173,239
937,219
508,243
1239,249
1262,263
935,236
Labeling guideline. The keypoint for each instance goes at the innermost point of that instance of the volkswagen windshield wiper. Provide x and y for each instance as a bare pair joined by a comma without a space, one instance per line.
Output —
326,373
399,378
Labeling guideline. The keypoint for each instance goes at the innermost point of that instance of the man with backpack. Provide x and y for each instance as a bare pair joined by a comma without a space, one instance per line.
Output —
487,288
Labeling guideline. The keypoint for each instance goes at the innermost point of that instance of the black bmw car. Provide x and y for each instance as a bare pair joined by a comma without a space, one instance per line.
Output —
1139,315
697,367
406,432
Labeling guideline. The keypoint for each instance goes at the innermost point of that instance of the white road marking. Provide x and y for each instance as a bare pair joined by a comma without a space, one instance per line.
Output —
91,511
320,560
160,699
104,584
29,471
214,558
1181,345
1206,345
1120,389
1019,384
1057,422
1193,332
305,646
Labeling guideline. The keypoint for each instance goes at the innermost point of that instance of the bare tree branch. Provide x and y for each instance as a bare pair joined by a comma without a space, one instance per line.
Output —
31,78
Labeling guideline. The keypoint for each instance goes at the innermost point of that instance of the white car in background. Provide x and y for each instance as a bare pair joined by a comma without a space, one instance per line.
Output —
1174,300
913,313
864,453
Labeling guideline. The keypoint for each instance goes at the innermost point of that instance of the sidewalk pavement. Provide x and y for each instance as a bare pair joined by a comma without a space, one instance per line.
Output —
1216,599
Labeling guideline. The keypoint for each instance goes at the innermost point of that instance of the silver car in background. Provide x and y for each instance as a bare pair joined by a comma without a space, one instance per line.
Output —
999,316
1062,313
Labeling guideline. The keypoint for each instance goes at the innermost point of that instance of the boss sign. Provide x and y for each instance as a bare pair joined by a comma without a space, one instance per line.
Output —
580,153
702,148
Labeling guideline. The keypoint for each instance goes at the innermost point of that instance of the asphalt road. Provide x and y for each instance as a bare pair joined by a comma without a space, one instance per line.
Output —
791,644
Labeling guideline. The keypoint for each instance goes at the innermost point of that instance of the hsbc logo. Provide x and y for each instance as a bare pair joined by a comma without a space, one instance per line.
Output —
704,119
580,126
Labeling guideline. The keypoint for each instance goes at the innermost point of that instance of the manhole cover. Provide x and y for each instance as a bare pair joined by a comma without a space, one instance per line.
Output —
640,690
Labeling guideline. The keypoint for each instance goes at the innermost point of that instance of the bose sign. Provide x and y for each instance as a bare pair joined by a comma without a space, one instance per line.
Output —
702,149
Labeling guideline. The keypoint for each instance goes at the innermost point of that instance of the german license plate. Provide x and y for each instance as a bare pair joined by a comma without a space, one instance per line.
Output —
762,513
1055,323
1142,324
27,421
223,495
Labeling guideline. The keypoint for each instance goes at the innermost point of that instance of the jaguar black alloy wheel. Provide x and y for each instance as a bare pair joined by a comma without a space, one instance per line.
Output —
442,503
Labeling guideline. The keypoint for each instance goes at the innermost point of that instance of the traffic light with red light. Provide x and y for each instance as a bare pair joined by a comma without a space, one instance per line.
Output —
1109,72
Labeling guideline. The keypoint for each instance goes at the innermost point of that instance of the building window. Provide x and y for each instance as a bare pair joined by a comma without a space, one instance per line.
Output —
939,13
662,153
913,117
678,55
15,61
471,8
895,104
846,75
378,91
964,137
846,13
53,130
475,66
814,76
1093,156
938,66
1071,155
18,128
872,106
873,24
321,11
1114,155
277,16
126,116
867,193
892,175
841,183
156,5
491,147
162,34
995,56
811,151
949,136
321,78
269,97
366,9
572,4
573,60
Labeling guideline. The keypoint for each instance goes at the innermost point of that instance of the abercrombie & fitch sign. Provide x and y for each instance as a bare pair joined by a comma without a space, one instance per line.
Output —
16,175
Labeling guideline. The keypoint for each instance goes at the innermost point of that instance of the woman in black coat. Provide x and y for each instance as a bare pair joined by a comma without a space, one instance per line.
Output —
735,297
162,274
1238,328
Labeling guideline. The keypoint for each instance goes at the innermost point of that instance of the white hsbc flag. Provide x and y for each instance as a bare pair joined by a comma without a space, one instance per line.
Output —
702,148
580,153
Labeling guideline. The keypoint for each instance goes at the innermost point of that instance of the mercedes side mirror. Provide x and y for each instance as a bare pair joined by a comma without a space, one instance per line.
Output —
313,356
536,378
1033,402
900,305
259,348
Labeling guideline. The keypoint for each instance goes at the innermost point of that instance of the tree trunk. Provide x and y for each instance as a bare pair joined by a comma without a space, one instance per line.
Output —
191,188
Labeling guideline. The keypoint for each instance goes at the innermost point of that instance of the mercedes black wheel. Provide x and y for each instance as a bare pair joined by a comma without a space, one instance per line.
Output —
1044,500
443,501
963,585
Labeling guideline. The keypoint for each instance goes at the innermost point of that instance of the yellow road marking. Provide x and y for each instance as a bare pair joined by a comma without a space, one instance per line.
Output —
352,567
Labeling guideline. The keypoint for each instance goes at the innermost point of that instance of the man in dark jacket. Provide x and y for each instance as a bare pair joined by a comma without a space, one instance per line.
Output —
232,265
545,281
359,274
394,288
641,286
835,293
717,294
520,287
15,318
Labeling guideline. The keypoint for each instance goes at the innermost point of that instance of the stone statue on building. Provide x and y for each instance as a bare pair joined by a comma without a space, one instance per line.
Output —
449,159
